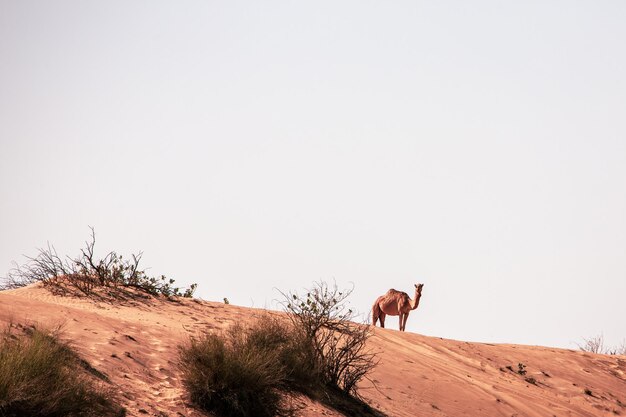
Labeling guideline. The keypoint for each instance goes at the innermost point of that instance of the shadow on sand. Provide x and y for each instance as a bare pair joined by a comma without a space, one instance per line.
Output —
347,405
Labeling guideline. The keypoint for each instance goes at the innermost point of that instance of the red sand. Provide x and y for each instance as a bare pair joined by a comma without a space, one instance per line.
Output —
136,345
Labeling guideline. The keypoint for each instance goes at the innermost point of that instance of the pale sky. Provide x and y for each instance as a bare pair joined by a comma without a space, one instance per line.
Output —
476,147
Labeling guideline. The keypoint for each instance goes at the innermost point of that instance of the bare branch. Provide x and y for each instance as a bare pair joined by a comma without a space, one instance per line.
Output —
337,342
86,272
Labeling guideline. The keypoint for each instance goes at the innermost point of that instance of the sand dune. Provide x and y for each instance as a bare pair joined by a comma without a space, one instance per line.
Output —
135,344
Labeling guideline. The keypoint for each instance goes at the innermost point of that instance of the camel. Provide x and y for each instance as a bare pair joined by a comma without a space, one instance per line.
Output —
395,303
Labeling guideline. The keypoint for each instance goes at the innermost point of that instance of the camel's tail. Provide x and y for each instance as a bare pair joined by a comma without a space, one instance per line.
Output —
375,313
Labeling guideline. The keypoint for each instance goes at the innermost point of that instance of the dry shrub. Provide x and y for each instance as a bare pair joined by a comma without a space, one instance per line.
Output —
86,272
596,345
236,374
292,350
42,376
336,344
318,351
593,345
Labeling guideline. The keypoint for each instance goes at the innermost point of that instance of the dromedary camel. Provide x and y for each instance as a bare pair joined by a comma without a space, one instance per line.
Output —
395,303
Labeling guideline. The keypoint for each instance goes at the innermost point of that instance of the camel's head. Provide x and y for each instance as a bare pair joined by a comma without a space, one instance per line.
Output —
418,287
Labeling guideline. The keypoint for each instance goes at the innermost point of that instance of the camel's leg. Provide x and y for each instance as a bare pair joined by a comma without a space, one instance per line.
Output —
404,319
382,319
400,317
375,314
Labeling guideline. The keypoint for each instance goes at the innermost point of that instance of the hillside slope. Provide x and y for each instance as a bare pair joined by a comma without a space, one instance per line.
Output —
135,343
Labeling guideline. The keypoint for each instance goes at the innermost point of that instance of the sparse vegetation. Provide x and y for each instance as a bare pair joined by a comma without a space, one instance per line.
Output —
42,376
593,345
85,272
521,370
293,351
239,373
621,349
596,345
337,343
319,352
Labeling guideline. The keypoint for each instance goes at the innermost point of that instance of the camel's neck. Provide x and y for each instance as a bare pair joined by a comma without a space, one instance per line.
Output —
416,301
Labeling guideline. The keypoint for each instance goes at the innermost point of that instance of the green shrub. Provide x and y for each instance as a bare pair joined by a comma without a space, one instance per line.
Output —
42,376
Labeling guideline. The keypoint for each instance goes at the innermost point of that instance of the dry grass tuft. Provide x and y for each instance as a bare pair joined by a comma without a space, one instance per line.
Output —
42,376
236,374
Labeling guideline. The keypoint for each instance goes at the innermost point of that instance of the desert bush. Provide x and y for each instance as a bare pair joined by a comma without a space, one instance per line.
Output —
593,345
42,376
238,373
317,351
86,272
293,351
335,344
596,345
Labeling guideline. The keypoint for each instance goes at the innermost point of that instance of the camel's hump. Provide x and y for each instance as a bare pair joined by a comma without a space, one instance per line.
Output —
393,291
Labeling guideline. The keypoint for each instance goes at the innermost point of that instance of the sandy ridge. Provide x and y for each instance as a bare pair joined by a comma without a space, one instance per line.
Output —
136,344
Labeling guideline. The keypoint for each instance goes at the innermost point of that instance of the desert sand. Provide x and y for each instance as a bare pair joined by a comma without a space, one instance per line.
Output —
135,343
